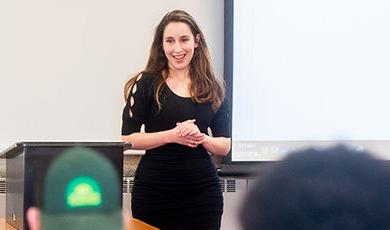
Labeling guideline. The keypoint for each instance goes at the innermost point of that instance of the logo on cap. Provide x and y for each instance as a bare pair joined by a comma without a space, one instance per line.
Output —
83,192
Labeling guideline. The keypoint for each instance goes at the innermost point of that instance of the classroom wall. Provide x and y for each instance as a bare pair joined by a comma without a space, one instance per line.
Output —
63,64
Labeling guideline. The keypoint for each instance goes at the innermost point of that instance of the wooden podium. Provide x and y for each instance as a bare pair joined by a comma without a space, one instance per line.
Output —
26,165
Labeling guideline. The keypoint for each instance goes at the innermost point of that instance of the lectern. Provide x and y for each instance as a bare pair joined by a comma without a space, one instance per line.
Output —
26,165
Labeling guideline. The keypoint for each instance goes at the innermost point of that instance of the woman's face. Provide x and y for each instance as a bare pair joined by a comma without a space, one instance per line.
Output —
179,44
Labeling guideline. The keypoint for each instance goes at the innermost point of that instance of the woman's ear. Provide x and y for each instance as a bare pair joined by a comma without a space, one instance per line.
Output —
33,217
197,40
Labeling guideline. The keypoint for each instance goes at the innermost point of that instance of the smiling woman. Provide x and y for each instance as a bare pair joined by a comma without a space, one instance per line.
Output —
177,97
179,45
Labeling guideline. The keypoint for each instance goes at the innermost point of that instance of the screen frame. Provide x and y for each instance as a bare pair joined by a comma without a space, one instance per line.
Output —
378,148
229,167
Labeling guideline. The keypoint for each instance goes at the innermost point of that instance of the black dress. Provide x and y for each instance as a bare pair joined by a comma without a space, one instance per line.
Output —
175,186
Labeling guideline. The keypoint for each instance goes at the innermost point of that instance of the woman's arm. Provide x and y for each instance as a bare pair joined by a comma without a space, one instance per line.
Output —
145,141
219,146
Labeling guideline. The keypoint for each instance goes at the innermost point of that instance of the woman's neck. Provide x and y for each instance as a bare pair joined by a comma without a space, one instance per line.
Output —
181,75
179,82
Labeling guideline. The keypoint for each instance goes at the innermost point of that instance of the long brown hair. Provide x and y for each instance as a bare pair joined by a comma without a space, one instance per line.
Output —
204,87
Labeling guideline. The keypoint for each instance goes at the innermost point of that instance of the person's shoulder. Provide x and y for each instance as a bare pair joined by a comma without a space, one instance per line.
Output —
146,82
148,78
224,106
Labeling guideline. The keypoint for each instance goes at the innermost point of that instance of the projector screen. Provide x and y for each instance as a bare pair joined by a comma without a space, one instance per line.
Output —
308,73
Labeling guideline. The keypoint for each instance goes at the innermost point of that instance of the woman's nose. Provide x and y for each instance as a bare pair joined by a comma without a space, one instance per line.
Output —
177,48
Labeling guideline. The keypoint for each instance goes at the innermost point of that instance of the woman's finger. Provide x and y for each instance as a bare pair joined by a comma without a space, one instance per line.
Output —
188,121
192,144
186,132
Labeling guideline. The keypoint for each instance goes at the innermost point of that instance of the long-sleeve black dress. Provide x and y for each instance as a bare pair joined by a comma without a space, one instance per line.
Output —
175,186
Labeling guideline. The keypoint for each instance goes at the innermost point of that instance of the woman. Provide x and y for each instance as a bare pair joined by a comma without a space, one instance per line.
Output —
177,97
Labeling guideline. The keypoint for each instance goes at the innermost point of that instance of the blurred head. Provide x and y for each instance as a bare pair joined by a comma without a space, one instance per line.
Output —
336,188
81,191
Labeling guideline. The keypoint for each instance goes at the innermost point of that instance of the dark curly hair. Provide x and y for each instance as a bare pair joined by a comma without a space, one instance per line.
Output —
335,188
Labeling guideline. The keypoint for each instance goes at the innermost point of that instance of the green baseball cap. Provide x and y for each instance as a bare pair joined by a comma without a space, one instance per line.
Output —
81,191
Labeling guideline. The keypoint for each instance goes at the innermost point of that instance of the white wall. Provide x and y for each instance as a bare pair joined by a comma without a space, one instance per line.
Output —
63,64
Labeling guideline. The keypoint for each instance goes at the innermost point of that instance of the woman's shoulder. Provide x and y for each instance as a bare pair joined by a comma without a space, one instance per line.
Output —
148,78
146,83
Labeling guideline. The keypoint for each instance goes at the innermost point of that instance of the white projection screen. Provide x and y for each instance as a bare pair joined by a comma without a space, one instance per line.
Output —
309,73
